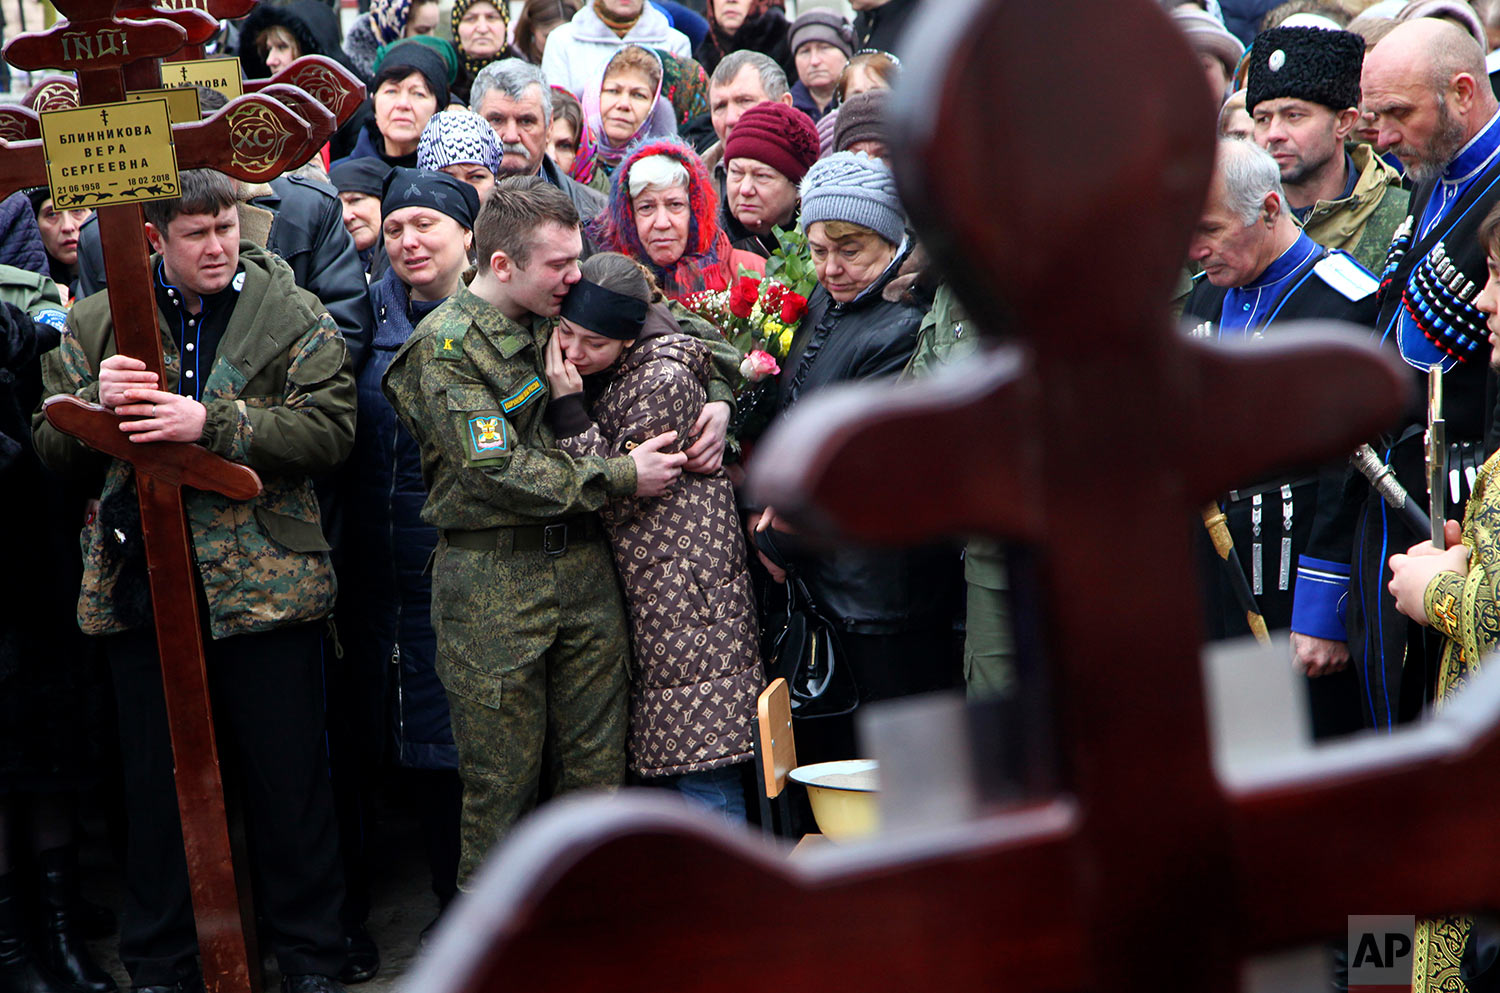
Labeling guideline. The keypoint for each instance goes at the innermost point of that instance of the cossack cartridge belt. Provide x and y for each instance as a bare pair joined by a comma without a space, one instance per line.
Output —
553,538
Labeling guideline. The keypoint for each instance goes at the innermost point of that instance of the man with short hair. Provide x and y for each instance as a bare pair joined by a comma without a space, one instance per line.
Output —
532,644
258,373
1303,96
513,96
742,80
1426,91
1260,272
578,50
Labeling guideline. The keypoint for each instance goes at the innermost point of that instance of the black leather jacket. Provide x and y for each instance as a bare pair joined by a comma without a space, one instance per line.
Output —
866,590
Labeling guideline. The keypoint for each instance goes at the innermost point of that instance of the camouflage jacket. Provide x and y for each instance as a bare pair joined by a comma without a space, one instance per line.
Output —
280,399
468,385
1363,222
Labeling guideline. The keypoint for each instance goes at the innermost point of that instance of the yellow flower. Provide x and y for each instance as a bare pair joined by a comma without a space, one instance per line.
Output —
784,342
773,328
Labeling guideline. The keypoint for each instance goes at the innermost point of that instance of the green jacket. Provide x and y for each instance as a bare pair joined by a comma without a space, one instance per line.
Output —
468,385
946,336
280,399
1363,222
31,292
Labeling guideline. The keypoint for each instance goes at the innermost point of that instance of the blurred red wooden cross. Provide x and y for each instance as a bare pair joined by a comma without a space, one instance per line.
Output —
1054,158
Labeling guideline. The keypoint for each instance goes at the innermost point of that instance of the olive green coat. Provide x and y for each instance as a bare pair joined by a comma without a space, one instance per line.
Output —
280,398
1363,222
30,291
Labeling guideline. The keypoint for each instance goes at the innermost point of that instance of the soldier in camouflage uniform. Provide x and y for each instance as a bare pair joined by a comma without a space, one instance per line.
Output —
532,644
258,373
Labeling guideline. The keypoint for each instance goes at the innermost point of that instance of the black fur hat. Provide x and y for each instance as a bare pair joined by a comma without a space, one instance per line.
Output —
1305,64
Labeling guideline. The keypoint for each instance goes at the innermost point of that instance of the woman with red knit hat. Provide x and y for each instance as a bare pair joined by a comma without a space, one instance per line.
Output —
766,155
664,213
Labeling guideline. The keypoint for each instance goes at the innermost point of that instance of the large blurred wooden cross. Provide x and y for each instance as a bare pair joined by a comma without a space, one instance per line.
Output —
115,46
1054,156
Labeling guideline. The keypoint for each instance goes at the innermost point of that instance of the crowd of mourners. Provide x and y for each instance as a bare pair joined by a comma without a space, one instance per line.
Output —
502,354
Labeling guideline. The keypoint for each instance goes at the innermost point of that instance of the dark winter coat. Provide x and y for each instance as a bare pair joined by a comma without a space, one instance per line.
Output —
51,683
881,27
802,99
867,591
385,591
20,238
369,143
765,32
696,669
315,25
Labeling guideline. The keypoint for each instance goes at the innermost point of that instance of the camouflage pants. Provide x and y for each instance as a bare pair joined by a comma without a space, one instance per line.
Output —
532,650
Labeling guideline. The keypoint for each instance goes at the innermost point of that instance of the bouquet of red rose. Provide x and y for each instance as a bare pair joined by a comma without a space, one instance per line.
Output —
760,316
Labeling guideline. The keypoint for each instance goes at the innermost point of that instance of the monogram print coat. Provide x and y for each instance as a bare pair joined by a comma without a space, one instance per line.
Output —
696,671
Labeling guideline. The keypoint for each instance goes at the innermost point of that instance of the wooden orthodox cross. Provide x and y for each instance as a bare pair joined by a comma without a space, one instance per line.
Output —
1054,157
114,46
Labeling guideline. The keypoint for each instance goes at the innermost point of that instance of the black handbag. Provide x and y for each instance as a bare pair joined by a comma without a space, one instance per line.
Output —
808,653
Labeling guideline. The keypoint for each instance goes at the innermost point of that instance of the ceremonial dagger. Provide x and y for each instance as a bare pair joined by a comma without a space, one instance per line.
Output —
1218,533
1437,454
1383,479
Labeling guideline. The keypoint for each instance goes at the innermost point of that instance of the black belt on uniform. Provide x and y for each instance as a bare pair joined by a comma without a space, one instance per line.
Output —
552,539
1237,495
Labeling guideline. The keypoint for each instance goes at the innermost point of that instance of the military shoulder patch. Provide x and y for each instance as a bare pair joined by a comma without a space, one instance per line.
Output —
528,392
488,436
1341,272
448,343
52,317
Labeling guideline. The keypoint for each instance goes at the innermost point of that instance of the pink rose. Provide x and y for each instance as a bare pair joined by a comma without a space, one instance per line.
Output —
758,365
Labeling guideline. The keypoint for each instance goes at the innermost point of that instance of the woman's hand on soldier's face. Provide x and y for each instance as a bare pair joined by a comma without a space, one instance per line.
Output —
562,375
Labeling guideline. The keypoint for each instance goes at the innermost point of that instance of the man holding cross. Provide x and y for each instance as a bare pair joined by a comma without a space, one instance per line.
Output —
257,373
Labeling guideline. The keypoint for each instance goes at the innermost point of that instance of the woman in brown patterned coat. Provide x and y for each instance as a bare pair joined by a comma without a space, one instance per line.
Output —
622,371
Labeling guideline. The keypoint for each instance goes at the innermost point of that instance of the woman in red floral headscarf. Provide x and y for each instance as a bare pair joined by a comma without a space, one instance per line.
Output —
664,212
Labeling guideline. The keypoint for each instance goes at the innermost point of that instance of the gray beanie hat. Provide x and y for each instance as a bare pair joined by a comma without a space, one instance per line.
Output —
852,187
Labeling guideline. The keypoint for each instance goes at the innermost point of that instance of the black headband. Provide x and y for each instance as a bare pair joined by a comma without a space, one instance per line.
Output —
604,312
430,188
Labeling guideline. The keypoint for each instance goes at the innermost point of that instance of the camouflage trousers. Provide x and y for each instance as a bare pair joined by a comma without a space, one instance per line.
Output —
534,654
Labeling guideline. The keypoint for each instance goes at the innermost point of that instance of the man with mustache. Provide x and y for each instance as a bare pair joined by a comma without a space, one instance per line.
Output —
1303,96
1429,98
513,96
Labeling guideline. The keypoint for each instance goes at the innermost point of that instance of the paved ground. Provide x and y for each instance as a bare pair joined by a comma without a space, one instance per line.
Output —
403,903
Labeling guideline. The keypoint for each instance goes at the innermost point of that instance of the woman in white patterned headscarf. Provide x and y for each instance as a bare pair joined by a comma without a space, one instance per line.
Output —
462,144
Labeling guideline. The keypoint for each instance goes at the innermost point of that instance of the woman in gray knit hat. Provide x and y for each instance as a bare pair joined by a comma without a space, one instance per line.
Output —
895,609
